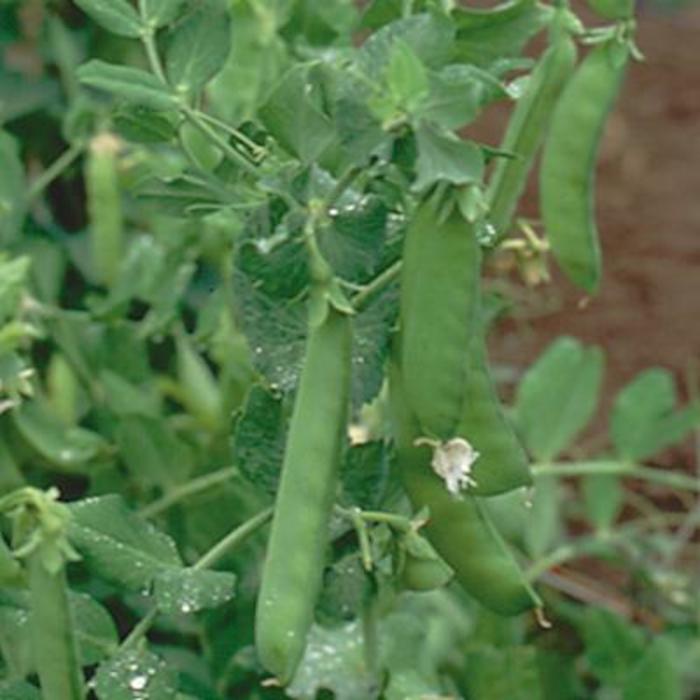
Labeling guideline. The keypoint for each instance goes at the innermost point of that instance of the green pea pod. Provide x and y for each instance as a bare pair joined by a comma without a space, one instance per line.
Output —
421,569
459,527
438,305
526,130
568,163
293,567
53,637
104,207
502,464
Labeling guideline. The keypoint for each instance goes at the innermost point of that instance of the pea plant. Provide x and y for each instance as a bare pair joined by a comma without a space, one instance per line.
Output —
251,444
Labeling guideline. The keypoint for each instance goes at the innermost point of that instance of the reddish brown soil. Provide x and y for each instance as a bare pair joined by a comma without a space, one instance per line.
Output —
648,204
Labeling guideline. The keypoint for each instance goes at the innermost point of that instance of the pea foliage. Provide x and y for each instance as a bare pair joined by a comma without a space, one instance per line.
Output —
243,280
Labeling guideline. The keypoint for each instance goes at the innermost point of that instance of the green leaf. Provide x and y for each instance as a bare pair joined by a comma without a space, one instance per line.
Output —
544,526
124,82
185,591
320,23
259,438
644,418
158,13
406,76
127,398
116,16
613,645
654,676
557,396
198,47
442,156
603,498
10,569
13,187
504,674
117,545
364,474
13,281
152,451
68,449
135,673
143,125
20,95
333,661
346,586
485,36
18,690
293,116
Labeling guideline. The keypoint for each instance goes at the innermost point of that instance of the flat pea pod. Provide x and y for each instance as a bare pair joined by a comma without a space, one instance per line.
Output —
526,130
104,207
53,637
567,173
459,528
293,567
502,464
438,305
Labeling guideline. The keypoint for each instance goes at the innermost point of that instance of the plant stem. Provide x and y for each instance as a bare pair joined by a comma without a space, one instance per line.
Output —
149,44
54,170
360,300
140,629
231,153
256,148
183,491
673,480
341,186
233,539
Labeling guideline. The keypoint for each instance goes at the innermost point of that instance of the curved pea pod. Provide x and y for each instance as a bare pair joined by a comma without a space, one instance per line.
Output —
438,305
568,163
421,569
459,527
502,464
104,207
293,567
526,130
199,148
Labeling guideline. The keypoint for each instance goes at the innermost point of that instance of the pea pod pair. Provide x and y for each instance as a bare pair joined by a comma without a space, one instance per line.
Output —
293,567
568,162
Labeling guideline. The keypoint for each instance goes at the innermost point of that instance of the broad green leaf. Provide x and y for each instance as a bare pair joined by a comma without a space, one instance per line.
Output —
12,191
259,438
429,36
504,674
377,13
406,76
333,661
320,23
365,473
558,674
557,396
10,474
158,13
10,569
69,449
143,125
354,243
603,498
644,417
293,116
127,398
444,157
116,16
655,676
18,690
346,586
485,36
190,590
613,645
133,674
118,545
20,95
127,83
198,47
13,280
152,451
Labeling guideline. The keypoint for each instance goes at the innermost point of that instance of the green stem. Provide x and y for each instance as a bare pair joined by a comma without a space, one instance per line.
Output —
341,186
384,278
233,539
255,148
195,486
231,153
54,170
673,480
140,629
360,526
149,44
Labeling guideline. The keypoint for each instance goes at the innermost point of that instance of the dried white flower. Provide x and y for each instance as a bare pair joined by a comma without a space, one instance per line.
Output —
452,461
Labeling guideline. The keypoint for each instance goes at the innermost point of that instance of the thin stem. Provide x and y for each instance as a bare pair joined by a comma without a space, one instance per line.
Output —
149,44
341,186
54,170
358,522
256,148
140,629
190,488
231,153
233,539
673,480
384,278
